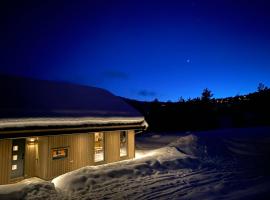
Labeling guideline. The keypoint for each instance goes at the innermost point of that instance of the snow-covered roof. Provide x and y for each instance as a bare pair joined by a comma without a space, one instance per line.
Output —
26,102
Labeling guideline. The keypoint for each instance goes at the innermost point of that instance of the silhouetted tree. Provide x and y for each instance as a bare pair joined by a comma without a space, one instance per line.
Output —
181,100
206,94
201,114
156,100
261,87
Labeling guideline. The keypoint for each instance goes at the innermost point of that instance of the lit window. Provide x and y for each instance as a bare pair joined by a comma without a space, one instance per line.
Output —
15,148
15,157
123,143
59,153
14,167
99,147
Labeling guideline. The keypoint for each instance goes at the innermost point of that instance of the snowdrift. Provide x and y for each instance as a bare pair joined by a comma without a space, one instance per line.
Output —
154,162
33,188
224,164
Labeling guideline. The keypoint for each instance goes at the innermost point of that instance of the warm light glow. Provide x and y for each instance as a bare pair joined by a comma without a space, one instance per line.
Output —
123,143
143,154
99,147
31,140
15,148
14,167
15,157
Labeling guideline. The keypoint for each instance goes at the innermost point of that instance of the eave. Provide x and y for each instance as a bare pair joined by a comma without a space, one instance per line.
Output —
18,132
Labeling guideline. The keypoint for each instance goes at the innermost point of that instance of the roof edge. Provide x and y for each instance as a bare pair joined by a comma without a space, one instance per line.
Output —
67,121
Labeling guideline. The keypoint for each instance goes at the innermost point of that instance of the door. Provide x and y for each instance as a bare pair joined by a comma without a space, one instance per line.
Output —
17,158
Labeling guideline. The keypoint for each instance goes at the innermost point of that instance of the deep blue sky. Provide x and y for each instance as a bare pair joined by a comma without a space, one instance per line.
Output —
141,49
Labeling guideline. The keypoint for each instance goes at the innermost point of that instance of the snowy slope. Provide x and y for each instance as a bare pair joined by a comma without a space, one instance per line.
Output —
173,166
24,100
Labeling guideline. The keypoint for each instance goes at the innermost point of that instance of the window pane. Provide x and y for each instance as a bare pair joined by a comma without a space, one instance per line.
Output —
15,148
15,157
99,147
123,143
59,153
14,167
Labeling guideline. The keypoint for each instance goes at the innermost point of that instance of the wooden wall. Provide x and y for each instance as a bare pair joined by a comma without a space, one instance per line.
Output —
131,144
38,156
5,160
80,153
112,146
42,157
30,159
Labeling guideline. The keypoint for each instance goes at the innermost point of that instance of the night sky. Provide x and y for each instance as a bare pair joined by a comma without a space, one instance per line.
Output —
140,49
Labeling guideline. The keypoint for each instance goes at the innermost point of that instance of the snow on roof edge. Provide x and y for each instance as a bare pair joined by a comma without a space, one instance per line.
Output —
71,121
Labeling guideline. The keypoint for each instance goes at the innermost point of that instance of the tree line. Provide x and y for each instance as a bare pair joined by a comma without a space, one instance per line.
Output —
206,112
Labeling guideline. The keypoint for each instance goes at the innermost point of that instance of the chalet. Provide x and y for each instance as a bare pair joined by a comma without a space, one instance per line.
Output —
49,128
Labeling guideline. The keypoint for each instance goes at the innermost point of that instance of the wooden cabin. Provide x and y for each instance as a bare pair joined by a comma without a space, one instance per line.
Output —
50,128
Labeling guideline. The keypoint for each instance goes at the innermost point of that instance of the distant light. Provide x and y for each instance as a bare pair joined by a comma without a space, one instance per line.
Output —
188,60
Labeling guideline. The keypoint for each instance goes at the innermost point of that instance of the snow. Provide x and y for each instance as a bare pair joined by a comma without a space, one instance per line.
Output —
202,165
32,188
30,102
68,121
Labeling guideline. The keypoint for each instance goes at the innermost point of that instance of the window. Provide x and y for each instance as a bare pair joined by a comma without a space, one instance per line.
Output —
15,148
15,157
99,147
123,143
59,153
14,167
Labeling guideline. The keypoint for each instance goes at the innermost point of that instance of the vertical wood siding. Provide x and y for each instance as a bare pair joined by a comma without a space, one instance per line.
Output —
5,161
80,153
131,144
38,156
112,146
30,159
42,157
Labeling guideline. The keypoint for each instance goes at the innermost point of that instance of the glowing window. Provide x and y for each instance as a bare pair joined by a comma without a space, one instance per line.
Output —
14,167
59,153
15,148
15,157
123,143
99,147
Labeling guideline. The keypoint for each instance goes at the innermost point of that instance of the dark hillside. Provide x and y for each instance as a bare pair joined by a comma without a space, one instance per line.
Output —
202,114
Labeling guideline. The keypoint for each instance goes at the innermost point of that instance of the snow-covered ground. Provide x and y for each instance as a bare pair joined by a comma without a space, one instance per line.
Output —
222,164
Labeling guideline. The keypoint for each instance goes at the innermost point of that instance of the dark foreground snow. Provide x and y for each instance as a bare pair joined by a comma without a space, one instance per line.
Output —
225,164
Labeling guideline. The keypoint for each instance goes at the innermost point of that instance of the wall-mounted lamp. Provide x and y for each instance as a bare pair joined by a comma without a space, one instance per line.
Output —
31,140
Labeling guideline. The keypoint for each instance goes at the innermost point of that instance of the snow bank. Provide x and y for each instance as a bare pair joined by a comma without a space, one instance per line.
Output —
29,189
186,166
193,166
153,162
